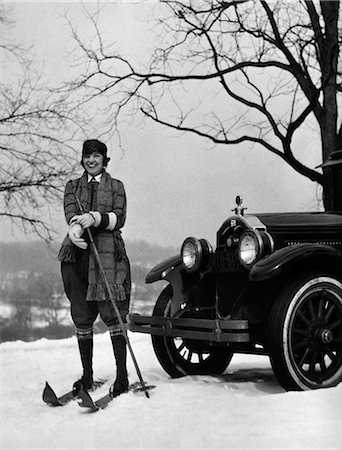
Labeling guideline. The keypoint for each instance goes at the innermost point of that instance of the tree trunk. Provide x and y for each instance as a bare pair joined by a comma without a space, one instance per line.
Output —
328,120
332,189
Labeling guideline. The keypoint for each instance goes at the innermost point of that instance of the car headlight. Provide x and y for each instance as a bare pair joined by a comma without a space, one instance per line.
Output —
253,245
195,254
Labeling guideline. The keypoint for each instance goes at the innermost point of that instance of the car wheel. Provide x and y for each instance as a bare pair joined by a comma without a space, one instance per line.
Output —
180,357
305,332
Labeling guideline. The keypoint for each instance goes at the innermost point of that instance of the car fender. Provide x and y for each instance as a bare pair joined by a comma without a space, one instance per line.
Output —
163,269
281,260
170,270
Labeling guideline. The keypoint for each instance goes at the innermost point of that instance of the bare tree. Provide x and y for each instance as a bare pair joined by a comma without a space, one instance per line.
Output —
38,129
22,304
49,299
232,71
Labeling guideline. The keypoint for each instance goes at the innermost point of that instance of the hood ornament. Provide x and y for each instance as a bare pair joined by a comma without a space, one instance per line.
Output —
240,210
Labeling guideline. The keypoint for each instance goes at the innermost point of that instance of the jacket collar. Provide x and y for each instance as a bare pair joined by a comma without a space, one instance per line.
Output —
97,178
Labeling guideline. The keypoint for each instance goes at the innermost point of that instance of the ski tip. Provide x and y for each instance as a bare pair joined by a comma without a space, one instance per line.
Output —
49,396
85,400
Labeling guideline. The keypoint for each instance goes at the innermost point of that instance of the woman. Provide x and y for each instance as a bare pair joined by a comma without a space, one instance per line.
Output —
104,200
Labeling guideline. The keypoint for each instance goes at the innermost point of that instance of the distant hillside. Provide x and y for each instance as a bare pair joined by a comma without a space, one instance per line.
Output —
39,257
148,254
29,256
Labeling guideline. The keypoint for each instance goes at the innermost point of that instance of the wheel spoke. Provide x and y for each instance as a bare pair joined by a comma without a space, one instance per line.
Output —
300,345
300,331
335,324
189,357
302,361
330,311
303,318
322,363
320,308
311,310
312,364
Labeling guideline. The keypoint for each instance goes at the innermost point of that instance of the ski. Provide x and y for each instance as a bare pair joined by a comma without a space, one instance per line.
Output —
103,402
51,399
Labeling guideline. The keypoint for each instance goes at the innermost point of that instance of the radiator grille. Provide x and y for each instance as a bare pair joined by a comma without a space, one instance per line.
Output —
225,261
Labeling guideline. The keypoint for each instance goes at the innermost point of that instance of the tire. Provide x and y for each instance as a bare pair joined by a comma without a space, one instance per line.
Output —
305,332
180,357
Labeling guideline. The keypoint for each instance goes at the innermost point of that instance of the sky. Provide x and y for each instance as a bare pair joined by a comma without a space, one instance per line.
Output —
177,185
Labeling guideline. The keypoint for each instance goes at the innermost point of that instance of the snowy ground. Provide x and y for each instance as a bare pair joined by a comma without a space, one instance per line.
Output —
243,409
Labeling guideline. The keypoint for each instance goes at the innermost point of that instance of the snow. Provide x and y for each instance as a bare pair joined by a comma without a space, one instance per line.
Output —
245,408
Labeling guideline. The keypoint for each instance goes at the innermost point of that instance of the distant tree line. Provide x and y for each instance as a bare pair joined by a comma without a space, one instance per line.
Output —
31,289
37,306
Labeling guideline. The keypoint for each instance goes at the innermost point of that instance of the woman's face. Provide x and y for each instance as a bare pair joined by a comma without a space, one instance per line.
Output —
93,163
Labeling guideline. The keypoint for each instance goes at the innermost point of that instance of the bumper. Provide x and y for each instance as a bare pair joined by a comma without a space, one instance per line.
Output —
219,330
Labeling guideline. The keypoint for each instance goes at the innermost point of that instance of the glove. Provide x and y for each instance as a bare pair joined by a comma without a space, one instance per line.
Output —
86,220
75,233
97,217
75,219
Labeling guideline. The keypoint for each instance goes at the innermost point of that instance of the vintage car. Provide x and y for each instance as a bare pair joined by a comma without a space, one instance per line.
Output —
272,286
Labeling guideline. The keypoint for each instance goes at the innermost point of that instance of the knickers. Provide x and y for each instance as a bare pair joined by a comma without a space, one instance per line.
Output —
83,312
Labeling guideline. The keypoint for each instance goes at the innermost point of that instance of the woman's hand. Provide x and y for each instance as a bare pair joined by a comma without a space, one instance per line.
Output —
75,233
86,220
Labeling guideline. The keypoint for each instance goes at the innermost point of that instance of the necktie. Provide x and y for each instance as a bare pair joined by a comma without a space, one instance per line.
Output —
93,184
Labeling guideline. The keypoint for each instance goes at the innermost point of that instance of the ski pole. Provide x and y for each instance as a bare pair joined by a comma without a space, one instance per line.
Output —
112,299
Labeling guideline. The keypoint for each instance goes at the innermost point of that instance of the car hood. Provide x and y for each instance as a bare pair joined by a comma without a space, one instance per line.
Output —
303,220
317,219
289,228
